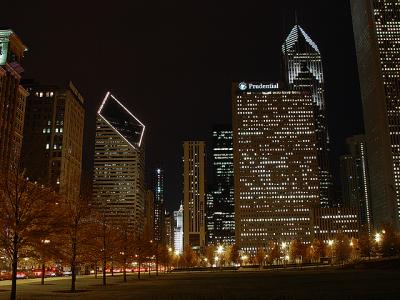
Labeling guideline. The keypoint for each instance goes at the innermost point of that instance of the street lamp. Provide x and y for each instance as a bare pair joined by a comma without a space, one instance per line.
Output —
330,243
244,258
378,237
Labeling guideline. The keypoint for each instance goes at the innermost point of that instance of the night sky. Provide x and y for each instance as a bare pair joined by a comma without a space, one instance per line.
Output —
172,62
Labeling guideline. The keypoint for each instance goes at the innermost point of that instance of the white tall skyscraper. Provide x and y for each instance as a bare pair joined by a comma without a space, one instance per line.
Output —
178,230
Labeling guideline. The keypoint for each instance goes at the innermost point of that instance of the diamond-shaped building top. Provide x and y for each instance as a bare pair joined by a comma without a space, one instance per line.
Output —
299,41
122,120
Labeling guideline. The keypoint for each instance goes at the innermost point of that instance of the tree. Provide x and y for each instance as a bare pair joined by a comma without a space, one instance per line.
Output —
25,209
234,254
342,248
390,245
297,250
106,239
273,253
77,231
189,257
260,256
365,245
209,253
125,241
317,250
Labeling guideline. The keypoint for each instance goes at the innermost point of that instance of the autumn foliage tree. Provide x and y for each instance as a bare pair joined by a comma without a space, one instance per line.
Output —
342,248
273,253
25,210
316,250
76,232
260,256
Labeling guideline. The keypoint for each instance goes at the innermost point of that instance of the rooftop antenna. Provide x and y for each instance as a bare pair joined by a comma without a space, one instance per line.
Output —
295,18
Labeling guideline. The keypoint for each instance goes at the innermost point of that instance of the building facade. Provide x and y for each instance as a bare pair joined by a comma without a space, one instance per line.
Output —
169,230
304,72
159,206
178,230
275,164
328,223
355,180
12,97
118,182
194,233
53,138
220,198
376,26
149,216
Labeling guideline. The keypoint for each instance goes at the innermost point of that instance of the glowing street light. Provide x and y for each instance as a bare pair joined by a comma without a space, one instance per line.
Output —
220,249
284,245
378,237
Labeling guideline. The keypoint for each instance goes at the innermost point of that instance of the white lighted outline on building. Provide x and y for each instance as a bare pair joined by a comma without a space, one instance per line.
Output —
99,113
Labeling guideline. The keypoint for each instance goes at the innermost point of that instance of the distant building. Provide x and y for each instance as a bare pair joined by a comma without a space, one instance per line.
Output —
149,216
220,198
355,180
178,230
304,72
275,164
169,230
327,223
118,181
159,205
376,29
12,97
53,138
194,234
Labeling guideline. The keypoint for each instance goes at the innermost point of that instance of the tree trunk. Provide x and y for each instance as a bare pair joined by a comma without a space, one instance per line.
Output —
43,273
95,270
73,268
124,269
157,264
139,269
13,295
112,267
104,271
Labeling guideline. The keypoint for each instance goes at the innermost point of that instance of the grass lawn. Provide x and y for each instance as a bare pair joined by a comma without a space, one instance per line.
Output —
283,284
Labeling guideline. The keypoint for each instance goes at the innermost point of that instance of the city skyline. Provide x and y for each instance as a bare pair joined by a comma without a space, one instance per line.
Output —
149,79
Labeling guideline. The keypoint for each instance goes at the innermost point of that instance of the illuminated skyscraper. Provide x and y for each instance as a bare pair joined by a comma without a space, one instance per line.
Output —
376,26
12,97
194,194
53,136
303,70
275,164
159,208
220,199
118,183
169,230
355,180
178,230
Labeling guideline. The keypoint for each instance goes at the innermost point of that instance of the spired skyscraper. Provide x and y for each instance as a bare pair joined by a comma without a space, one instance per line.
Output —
303,70
118,183
376,26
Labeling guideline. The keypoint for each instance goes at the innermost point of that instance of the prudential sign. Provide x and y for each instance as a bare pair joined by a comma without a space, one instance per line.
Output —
243,86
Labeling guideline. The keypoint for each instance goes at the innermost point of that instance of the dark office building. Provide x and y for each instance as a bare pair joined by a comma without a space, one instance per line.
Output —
220,198
376,26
